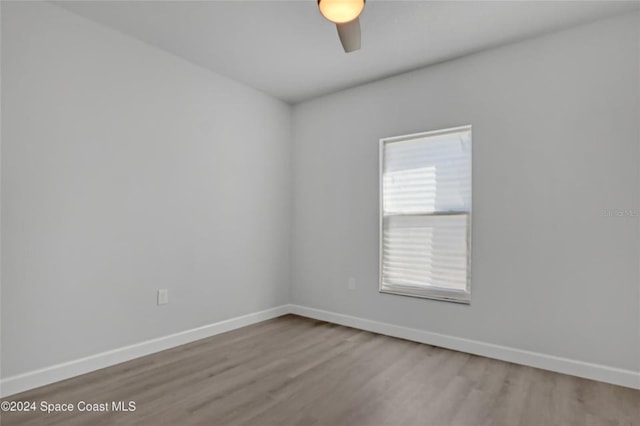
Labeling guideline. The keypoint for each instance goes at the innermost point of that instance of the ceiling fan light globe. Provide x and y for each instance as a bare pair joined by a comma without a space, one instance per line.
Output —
341,11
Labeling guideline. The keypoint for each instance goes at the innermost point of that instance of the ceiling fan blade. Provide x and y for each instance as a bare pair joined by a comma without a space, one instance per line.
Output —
349,34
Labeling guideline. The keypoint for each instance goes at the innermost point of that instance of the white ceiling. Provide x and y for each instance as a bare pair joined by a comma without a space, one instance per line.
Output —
286,49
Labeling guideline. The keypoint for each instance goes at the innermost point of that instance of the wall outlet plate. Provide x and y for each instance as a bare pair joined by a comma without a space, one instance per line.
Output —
351,285
163,296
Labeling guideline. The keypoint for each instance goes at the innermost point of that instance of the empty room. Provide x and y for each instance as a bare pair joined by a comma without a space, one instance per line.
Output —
320,213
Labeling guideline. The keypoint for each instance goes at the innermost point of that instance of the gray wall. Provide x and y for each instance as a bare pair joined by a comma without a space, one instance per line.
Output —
556,142
125,170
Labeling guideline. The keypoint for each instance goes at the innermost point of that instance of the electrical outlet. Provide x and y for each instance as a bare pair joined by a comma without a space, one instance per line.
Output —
352,284
163,296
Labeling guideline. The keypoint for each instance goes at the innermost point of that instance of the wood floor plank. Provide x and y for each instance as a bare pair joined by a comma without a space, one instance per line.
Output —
297,371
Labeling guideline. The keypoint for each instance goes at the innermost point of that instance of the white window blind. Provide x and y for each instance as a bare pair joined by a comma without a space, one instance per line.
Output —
425,189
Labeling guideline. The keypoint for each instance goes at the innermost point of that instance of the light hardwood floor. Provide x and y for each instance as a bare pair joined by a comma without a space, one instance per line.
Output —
298,371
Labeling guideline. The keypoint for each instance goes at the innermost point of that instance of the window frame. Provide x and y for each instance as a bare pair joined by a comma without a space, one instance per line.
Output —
455,296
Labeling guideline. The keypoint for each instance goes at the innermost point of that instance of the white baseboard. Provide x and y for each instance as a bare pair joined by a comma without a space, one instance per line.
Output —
55,373
602,373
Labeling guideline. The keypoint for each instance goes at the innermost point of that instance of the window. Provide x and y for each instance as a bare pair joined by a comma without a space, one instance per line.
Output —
425,215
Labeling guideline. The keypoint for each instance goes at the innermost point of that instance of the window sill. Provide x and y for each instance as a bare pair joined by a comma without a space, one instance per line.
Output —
460,297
